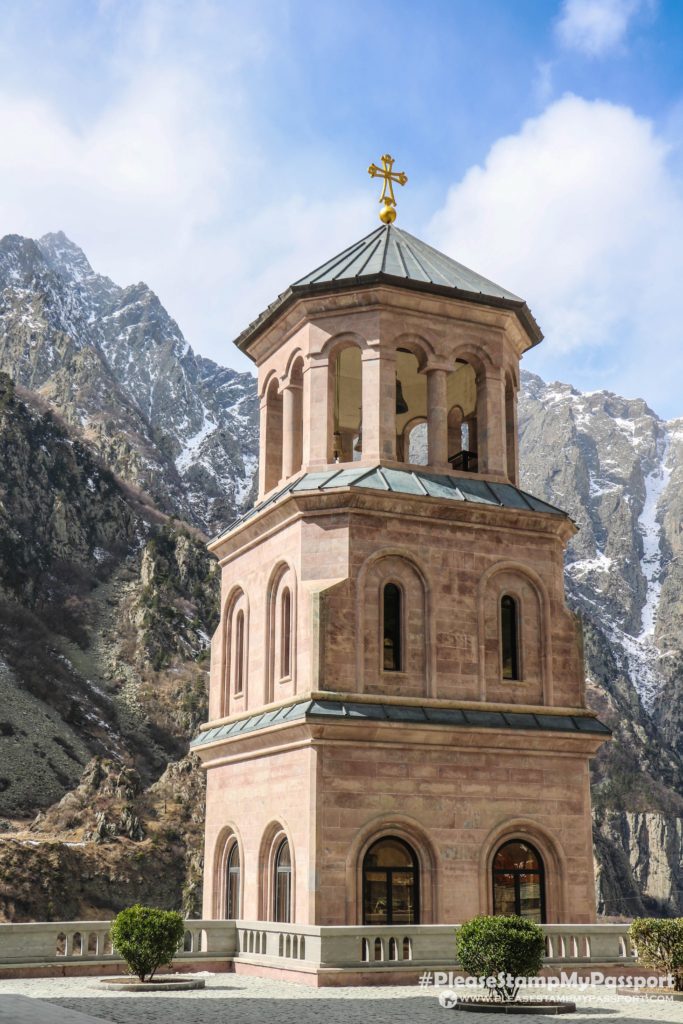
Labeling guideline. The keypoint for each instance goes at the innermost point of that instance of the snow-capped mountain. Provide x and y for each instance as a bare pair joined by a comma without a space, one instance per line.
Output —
116,603
115,364
617,468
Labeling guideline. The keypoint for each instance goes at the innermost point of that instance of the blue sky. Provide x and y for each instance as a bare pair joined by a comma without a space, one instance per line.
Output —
218,151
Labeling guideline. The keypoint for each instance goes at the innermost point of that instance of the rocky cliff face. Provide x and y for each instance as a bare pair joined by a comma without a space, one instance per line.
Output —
118,445
105,610
116,366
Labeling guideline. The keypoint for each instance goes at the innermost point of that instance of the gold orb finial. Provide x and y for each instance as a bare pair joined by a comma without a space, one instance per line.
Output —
388,212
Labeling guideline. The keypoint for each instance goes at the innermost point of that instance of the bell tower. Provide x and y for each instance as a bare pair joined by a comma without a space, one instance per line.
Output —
397,723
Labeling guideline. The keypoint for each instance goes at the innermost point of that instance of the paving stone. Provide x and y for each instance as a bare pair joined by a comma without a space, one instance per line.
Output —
236,999
15,1009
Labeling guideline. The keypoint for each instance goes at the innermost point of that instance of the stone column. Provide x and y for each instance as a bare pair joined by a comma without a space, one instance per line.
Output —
263,425
491,422
437,418
318,411
292,395
379,404
511,432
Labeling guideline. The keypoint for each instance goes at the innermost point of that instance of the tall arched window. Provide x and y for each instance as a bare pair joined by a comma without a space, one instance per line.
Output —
280,653
509,637
286,634
293,421
390,883
236,650
282,887
462,399
271,449
346,369
392,628
410,402
239,652
232,884
519,881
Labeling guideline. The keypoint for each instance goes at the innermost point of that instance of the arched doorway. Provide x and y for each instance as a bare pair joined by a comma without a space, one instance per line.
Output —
390,883
519,881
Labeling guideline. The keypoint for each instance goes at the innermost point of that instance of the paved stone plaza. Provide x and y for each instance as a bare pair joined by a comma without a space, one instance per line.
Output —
230,999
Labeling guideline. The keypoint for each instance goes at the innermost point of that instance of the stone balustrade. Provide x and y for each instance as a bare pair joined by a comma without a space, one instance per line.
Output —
73,942
300,947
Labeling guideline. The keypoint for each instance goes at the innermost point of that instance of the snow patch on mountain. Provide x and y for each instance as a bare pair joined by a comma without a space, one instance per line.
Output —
609,461
649,525
116,365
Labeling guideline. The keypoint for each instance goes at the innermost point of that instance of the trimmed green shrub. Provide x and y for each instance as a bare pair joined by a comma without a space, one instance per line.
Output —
502,948
659,945
147,938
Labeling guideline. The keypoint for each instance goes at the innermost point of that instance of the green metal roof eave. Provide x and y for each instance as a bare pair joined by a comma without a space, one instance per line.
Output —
295,292
473,718
423,485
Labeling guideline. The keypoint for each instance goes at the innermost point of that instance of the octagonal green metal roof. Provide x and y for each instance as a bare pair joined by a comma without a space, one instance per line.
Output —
389,255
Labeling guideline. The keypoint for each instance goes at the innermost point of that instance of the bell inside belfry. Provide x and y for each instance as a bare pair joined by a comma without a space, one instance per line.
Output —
401,404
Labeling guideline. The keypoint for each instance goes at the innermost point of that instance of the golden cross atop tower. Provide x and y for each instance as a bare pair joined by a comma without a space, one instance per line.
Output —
388,212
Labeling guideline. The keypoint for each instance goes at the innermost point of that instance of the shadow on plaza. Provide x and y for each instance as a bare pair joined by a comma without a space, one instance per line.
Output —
206,1008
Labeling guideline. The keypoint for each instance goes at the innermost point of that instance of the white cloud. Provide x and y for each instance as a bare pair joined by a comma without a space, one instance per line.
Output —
580,213
595,27
170,181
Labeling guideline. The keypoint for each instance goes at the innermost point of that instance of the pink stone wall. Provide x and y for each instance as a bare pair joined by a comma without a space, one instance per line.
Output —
453,575
454,796
256,800
455,807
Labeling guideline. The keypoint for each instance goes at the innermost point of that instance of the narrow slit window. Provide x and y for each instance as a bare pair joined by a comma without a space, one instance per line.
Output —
509,637
239,652
392,628
286,638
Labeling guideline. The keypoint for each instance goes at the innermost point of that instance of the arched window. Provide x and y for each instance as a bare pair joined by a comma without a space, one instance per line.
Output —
392,628
509,636
239,652
293,421
280,653
519,882
282,888
415,443
461,389
410,401
232,884
286,634
390,883
236,650
346,369
271,451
